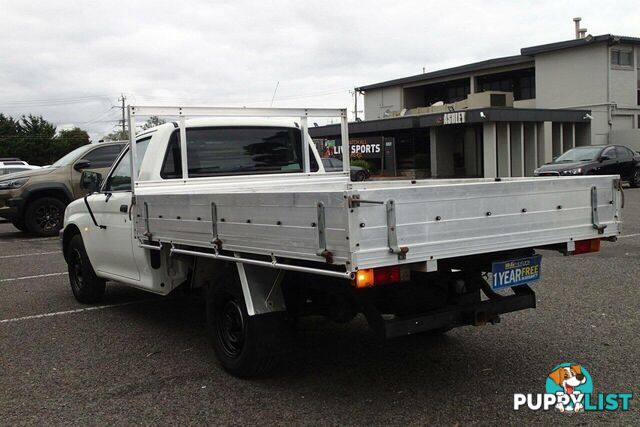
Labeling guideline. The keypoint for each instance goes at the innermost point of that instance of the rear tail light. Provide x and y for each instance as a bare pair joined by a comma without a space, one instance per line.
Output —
586,246
379,276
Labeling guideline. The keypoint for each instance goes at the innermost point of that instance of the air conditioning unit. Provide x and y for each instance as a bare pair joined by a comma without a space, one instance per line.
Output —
490,98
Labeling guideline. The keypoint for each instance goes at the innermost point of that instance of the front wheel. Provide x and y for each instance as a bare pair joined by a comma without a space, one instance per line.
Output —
45,216
635,178
246,346
361,176
85,285
20,225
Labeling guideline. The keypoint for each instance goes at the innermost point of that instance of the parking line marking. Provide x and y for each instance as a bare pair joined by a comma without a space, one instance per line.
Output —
62,313
12,279
41,239
629,235
34,254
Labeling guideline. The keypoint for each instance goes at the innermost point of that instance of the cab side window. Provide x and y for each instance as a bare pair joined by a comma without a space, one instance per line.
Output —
120,178
610,153
623,153
103,157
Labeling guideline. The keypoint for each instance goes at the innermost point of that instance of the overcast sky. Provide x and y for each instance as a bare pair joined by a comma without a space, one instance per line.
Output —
70,60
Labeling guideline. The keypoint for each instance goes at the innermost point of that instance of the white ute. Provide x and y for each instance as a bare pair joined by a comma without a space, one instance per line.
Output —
246,211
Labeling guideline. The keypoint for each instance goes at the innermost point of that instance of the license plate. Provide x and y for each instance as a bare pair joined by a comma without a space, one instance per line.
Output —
506,274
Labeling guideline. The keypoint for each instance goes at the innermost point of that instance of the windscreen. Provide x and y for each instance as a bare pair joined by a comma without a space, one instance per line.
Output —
236,150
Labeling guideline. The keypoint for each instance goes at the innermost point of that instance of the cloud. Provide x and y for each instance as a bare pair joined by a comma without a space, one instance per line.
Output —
234,52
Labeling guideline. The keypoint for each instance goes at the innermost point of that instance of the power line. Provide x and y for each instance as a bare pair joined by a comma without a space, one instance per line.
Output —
52,102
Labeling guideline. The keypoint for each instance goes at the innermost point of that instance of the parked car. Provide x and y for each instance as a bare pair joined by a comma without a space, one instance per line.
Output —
335,165
596,160
6,169
12,160
35,200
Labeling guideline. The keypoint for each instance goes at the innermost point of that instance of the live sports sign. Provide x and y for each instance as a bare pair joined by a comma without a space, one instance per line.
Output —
364,148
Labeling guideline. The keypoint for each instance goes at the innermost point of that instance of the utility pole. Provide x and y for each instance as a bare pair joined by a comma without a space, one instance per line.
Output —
355,109
123,98
355,106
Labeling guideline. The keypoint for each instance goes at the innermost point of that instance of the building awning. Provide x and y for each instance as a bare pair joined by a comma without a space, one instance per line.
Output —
470,116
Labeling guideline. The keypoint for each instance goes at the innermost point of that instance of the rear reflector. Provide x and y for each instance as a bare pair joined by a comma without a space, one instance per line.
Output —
364,278
378,276
586,246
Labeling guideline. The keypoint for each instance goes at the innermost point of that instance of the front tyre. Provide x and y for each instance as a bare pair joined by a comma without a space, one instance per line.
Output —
45,216
85,285
246,346
20,225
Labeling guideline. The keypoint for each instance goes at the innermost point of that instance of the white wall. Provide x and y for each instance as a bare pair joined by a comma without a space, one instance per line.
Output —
578,78
623,82
572,77
377,101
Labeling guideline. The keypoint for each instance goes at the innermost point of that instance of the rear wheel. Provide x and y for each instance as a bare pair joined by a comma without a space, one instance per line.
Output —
246,346
44,216
361,176
85,285
635,178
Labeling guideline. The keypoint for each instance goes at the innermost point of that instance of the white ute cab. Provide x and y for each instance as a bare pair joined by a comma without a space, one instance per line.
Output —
246,211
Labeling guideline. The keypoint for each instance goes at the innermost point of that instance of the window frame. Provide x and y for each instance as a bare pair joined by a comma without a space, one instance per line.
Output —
116,163
617,65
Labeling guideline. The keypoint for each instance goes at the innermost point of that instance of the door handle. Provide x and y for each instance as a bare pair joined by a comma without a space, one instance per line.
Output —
124,208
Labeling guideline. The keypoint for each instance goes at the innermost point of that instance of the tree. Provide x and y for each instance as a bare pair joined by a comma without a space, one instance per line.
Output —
117,135
123,135
67,141
34,139
152,122
8,135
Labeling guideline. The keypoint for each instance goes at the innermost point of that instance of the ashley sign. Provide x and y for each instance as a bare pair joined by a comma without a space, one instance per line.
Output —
454,118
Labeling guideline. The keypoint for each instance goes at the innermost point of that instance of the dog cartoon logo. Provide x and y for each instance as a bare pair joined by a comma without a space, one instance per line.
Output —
573,381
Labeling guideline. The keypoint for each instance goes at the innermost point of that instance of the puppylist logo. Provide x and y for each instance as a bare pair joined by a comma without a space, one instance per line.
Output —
569,388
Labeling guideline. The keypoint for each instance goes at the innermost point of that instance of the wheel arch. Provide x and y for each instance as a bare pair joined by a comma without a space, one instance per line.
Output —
69,231
57,190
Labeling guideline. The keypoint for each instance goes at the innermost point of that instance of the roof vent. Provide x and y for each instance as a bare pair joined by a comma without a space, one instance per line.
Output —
580,32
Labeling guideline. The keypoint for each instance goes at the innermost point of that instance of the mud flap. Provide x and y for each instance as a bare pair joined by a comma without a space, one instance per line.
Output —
261,288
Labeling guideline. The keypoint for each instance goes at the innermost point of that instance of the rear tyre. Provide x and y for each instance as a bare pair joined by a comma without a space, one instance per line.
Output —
44,216
20,225
361,176
85,285
635,178
246,346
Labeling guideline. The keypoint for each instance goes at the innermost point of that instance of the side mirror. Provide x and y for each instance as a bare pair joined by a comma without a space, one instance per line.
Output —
603,158
82,164
90,181
555,158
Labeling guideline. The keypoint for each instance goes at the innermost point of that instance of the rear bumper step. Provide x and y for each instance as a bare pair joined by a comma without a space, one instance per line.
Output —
475,314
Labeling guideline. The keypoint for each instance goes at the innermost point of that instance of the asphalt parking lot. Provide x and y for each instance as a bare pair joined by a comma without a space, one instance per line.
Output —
142,359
